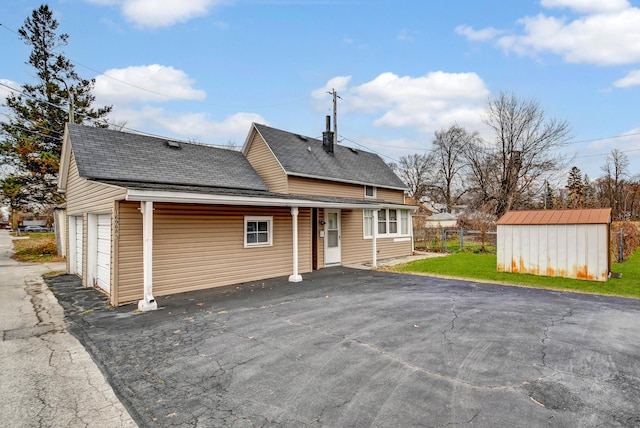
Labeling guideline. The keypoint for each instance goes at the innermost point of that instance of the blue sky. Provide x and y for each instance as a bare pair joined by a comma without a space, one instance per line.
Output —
203,70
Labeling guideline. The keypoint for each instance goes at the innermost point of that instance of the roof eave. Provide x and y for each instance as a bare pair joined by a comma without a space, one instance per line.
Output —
362,183
138,195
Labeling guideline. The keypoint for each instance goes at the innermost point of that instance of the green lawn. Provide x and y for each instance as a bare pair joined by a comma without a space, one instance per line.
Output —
482,267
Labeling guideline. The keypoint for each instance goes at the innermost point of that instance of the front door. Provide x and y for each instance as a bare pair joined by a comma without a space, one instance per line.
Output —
332,252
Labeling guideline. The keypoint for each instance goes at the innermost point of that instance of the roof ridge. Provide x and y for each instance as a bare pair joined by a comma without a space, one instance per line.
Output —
154,136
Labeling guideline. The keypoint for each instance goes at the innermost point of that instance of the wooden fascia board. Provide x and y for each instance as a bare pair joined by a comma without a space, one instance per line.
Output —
249,142
65,161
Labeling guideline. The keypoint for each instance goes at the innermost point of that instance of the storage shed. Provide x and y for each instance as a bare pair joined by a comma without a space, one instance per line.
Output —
562,243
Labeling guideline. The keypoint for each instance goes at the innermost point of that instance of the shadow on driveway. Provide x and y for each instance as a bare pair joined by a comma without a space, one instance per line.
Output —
348,347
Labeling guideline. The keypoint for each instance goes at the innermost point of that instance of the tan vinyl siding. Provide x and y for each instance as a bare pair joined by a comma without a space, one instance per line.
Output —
86,196
197,247
129,275
356,249
310,186
390,196
394,247
266,165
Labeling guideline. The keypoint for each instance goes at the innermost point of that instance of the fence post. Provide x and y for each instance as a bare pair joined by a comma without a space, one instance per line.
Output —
461,238
621,246
443,238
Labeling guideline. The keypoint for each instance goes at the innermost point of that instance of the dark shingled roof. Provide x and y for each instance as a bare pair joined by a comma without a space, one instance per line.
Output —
304,156
108,155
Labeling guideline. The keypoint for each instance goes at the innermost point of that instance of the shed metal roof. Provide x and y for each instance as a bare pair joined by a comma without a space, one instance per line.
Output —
539,217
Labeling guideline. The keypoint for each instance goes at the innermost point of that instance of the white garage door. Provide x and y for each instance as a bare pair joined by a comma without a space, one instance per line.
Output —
103,277
78,241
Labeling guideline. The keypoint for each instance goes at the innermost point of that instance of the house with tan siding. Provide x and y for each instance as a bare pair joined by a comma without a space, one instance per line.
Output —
149,216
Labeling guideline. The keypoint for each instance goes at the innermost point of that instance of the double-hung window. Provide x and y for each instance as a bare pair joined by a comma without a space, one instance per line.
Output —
258,231
369,192
404,222
382,222
368,223
391,222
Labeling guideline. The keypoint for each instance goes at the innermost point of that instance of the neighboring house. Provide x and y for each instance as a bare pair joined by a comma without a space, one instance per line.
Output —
441,220
149,216
420,214
564,243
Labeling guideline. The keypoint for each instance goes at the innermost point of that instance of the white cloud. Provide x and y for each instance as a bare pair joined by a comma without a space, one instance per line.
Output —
631,79
607,33
406,35
200,127
5,85
146,83
426,103
339,83
588,6
478,35
160,13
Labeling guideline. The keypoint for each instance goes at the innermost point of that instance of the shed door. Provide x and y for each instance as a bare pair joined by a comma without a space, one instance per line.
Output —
103,276
78,244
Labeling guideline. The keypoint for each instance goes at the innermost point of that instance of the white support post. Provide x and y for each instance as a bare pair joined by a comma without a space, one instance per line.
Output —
149,302
374,239
295,276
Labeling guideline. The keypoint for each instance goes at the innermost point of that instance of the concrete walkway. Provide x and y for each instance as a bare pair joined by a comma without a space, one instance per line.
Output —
47,379
417,255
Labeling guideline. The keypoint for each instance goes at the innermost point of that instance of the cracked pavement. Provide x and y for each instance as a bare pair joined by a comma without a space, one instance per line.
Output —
349,347
47,379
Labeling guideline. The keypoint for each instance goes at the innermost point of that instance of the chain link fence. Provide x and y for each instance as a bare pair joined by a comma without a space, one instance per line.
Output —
452,240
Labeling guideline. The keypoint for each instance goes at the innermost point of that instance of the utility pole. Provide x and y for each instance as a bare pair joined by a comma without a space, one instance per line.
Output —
71,112
335,115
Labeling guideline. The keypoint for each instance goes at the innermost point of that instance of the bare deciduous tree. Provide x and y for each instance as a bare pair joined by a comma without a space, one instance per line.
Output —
449,149
612,186
525,144
415,170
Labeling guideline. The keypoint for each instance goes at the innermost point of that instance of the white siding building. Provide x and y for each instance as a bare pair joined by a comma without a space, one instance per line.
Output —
561,243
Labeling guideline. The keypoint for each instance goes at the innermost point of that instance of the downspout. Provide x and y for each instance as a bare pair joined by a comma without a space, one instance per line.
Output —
148,303
295,276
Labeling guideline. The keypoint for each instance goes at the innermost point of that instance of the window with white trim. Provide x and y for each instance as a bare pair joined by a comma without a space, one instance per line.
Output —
369,192
382,222
258,231
391,222
368,223
404,222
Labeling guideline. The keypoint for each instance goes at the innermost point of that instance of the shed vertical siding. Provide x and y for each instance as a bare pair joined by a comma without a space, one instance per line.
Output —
266,165
200,246
576,251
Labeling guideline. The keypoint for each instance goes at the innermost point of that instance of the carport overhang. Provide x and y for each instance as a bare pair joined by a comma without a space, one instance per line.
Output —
147,197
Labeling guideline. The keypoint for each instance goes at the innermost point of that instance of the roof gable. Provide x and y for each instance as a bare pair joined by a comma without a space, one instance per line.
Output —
109,155
304,156
540,217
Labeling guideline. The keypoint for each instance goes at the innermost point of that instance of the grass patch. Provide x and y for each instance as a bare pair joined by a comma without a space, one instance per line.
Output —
482,267
37,248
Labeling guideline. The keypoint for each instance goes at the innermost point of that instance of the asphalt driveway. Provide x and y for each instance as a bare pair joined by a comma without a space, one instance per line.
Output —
349,347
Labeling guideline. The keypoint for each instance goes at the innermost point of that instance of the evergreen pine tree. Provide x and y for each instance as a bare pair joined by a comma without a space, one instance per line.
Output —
32,138
575,188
